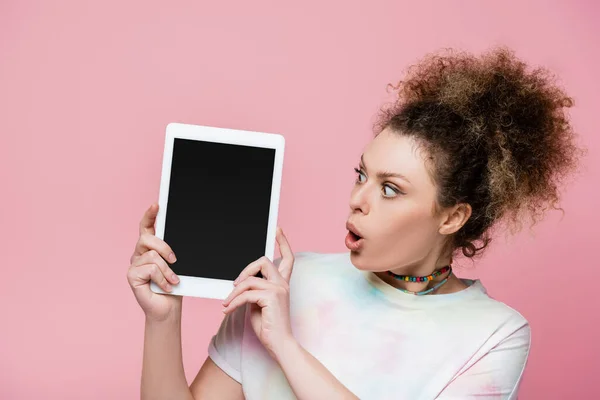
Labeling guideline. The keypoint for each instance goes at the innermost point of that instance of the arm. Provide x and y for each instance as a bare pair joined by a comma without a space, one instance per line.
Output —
212,383
300,367
162,369
497,374
163,376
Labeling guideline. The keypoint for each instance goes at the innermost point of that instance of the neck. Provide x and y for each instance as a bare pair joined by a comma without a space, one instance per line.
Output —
423,268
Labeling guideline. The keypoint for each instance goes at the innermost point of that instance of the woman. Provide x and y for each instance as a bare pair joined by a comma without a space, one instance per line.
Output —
471,143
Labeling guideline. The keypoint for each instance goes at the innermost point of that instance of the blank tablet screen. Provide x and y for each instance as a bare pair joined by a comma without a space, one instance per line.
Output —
218,207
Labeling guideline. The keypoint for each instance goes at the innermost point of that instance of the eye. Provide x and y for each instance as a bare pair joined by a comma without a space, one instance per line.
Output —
389,191
361,176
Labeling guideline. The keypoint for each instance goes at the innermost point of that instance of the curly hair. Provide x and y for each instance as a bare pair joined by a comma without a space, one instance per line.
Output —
496,133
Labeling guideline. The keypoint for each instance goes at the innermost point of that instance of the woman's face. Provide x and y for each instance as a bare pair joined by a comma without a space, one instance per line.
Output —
392,206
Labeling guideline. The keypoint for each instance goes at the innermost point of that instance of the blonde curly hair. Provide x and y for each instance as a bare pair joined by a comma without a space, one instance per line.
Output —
496,132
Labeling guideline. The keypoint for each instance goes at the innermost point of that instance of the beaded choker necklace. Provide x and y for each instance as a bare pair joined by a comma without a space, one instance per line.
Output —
408,278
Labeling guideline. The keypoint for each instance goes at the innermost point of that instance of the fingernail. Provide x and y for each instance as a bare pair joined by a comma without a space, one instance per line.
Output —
175,278
169,287
172,258
224,310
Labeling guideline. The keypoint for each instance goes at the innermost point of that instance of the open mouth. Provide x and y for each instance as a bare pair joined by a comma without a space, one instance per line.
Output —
354,236
353,240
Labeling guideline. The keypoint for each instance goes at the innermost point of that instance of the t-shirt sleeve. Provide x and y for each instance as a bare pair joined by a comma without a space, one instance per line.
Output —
225,348
497,374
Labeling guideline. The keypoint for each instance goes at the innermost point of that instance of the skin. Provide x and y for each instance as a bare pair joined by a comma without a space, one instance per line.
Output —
401,232
395,215
163,375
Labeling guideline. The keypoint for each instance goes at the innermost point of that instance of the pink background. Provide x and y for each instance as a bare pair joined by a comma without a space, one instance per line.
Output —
87,88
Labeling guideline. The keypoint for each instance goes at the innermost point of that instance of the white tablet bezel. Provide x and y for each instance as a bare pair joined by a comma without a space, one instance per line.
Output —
210,287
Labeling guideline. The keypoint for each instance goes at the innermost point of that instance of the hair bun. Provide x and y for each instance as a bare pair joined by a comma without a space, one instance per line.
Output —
502,127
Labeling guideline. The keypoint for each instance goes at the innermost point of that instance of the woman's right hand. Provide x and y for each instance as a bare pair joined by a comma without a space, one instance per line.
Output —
148,264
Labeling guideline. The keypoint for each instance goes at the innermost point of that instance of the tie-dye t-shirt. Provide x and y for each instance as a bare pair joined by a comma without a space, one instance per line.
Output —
380,342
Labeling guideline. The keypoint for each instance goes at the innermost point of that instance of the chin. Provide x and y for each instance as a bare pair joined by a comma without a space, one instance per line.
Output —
368,262
359,261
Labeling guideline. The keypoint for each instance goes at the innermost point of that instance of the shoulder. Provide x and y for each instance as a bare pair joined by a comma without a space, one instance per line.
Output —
473,315
313,269
509,334
308,259
313,262
317,256
488,304
502,320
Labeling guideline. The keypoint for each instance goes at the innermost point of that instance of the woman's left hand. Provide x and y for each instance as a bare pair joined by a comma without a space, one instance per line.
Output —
269,297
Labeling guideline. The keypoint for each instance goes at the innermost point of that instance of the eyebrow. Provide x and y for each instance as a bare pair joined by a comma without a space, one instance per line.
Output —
385,174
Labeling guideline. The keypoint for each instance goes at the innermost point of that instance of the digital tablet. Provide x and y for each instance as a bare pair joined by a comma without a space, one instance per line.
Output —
218,204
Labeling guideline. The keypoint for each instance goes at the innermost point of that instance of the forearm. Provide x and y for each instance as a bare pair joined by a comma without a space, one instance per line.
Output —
308,378
163,375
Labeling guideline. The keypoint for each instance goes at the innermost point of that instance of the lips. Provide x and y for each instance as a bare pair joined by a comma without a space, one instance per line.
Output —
350,226
354,240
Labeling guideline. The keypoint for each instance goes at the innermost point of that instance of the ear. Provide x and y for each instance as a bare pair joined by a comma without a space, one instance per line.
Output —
454,218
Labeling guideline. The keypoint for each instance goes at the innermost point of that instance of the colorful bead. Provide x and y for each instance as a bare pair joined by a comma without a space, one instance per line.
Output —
423,279
408,278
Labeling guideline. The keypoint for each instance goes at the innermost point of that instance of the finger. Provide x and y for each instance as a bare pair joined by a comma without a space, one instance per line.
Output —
259,297
147,222
287,255
251,283
152,257
139,276
148,242
266,268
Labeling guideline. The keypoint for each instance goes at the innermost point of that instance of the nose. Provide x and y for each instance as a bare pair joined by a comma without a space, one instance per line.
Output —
359,201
